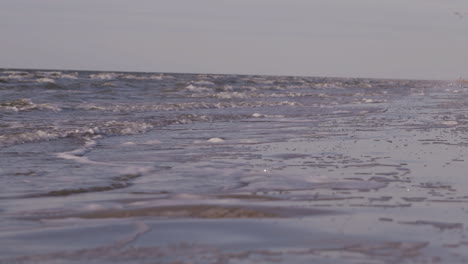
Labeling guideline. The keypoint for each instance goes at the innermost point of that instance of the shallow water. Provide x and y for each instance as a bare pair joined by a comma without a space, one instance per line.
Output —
159,168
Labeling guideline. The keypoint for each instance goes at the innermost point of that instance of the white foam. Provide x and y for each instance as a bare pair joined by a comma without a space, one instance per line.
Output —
258,115
78,154
135,77
215,140
112,128
15,72
17,75
45,80
58,75
231,95
184,106
450,123
92,107
79,159
291,94
97,207
26,104
149,142
341,112
129,143
121,128
20,138
69,76
203,82
372,101
107,128
197,89
104,76
260,80
156,77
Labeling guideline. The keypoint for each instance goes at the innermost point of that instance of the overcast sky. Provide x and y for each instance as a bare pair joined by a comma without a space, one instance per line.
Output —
417,39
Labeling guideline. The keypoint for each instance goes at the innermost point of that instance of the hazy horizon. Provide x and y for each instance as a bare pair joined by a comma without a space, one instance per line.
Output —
337,38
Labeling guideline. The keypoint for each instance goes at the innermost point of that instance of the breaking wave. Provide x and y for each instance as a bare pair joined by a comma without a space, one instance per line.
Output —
109,128
184,106
26,105
93,130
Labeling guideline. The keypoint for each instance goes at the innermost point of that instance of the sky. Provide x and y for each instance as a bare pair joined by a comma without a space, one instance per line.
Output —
409,39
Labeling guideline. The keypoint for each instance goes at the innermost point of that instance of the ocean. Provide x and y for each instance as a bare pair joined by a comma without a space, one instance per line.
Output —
123,167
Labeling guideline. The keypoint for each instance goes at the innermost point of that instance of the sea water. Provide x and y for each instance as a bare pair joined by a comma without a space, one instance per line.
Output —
105,167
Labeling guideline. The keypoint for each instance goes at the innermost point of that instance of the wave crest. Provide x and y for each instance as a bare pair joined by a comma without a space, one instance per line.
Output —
26,105
184,106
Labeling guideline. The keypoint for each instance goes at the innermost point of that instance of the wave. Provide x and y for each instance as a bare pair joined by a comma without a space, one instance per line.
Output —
109,128
26,105
249,95
39,76
150,77
113,76
78,154
118,182
56,75
104,76
198,89
45,80
19,138
184,106
17,75
95,130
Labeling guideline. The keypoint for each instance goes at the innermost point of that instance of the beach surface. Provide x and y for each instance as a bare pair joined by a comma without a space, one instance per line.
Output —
112,167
